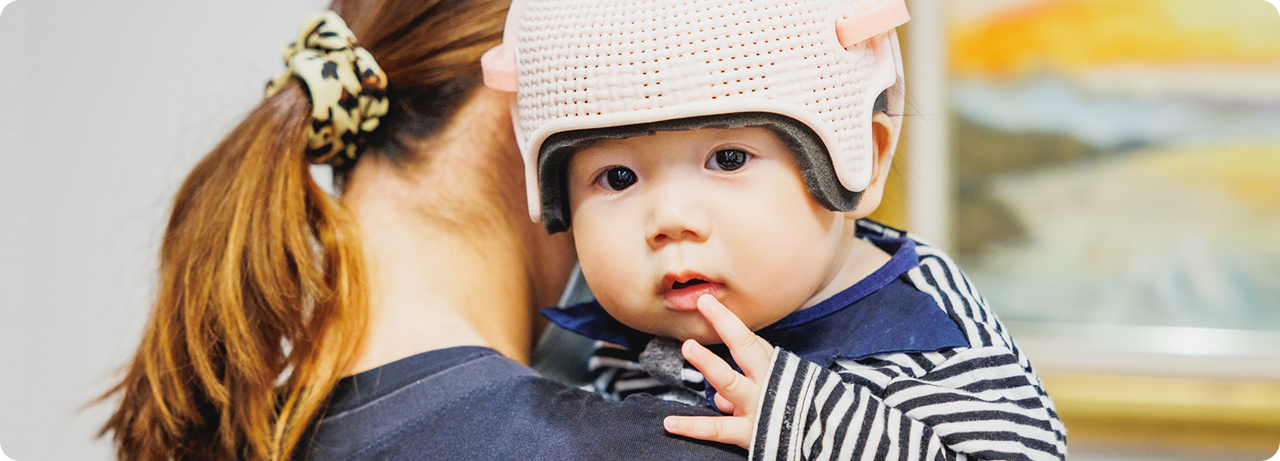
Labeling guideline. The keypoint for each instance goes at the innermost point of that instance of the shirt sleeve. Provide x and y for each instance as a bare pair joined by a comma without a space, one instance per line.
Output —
976,404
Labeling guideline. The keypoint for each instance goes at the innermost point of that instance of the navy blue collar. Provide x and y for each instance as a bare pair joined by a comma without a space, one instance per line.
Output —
882,313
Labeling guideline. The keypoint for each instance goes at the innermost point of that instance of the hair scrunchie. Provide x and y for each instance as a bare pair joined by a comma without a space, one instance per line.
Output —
348,90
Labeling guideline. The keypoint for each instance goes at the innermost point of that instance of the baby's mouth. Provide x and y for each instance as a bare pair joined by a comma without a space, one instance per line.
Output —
682,295
691,282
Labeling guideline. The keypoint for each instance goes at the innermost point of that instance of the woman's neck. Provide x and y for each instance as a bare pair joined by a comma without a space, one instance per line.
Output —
442,269
431,290
452,257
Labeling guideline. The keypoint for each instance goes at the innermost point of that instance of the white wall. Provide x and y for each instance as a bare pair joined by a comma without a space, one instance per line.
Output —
104,107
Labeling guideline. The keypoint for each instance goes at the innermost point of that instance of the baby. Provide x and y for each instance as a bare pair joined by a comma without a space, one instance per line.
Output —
712,154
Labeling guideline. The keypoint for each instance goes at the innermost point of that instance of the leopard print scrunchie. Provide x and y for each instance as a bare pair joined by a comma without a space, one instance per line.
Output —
348,89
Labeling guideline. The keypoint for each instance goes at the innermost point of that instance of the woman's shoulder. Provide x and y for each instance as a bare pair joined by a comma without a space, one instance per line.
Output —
474,403
370,411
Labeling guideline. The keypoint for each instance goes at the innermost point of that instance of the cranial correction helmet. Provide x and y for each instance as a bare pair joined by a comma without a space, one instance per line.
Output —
811,70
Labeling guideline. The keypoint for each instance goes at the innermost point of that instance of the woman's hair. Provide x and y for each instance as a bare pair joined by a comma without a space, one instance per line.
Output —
262,300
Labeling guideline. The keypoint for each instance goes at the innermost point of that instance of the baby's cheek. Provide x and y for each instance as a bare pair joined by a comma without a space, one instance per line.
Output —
765,308
606,271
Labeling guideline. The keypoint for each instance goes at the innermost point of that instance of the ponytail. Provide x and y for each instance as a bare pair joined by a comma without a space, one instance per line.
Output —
262,299
260,306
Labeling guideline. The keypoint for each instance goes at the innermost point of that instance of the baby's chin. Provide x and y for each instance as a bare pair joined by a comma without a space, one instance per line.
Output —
679,325
691,325
703,334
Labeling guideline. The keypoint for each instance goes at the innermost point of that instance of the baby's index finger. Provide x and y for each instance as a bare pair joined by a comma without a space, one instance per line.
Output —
727,325
750,351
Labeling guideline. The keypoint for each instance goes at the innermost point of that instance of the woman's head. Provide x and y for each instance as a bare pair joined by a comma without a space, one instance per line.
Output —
430,51
261,299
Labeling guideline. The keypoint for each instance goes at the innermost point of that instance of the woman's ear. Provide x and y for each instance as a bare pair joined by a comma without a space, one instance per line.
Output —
884,140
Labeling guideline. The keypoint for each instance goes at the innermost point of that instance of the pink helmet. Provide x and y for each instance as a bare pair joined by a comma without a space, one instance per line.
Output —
810,69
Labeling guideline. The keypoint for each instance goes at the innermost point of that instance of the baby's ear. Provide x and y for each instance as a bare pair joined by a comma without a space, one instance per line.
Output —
884,135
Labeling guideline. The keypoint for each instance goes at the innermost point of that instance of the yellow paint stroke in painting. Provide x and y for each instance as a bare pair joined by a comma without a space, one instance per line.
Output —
1246,173
1070,35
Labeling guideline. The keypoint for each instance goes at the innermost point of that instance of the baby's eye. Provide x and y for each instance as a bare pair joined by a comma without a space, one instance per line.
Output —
617,178
728,159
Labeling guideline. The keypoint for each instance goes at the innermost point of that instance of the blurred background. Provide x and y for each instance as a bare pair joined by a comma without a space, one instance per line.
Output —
104,109
1108,174
1107,171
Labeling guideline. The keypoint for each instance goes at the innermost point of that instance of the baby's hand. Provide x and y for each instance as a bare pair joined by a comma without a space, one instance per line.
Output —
736,394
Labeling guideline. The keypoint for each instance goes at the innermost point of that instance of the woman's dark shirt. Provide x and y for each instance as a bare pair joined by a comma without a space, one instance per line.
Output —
473,403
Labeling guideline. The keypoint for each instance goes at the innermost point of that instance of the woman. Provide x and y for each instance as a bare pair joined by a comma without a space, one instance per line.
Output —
271,291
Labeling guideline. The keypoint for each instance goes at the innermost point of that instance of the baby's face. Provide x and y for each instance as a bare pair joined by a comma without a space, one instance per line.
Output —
660,220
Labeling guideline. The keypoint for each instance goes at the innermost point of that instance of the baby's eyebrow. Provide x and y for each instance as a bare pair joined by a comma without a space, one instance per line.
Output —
578,166
590,149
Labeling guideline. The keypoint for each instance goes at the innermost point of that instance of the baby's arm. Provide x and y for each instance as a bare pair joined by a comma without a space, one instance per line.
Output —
970,406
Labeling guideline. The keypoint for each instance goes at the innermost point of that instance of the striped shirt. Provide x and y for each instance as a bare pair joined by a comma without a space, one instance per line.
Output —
841,389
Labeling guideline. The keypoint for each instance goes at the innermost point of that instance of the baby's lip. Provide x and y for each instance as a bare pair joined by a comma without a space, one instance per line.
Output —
681,290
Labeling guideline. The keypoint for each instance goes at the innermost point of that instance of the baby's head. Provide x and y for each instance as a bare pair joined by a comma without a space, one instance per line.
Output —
697,147
661,215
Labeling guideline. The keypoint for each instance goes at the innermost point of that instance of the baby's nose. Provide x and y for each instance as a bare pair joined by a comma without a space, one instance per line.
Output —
677,216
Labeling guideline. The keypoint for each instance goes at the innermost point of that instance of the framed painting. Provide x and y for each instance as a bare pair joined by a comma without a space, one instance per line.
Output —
1108,174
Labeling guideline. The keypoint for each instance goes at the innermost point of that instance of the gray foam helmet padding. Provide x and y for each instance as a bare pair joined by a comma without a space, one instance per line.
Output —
811,155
